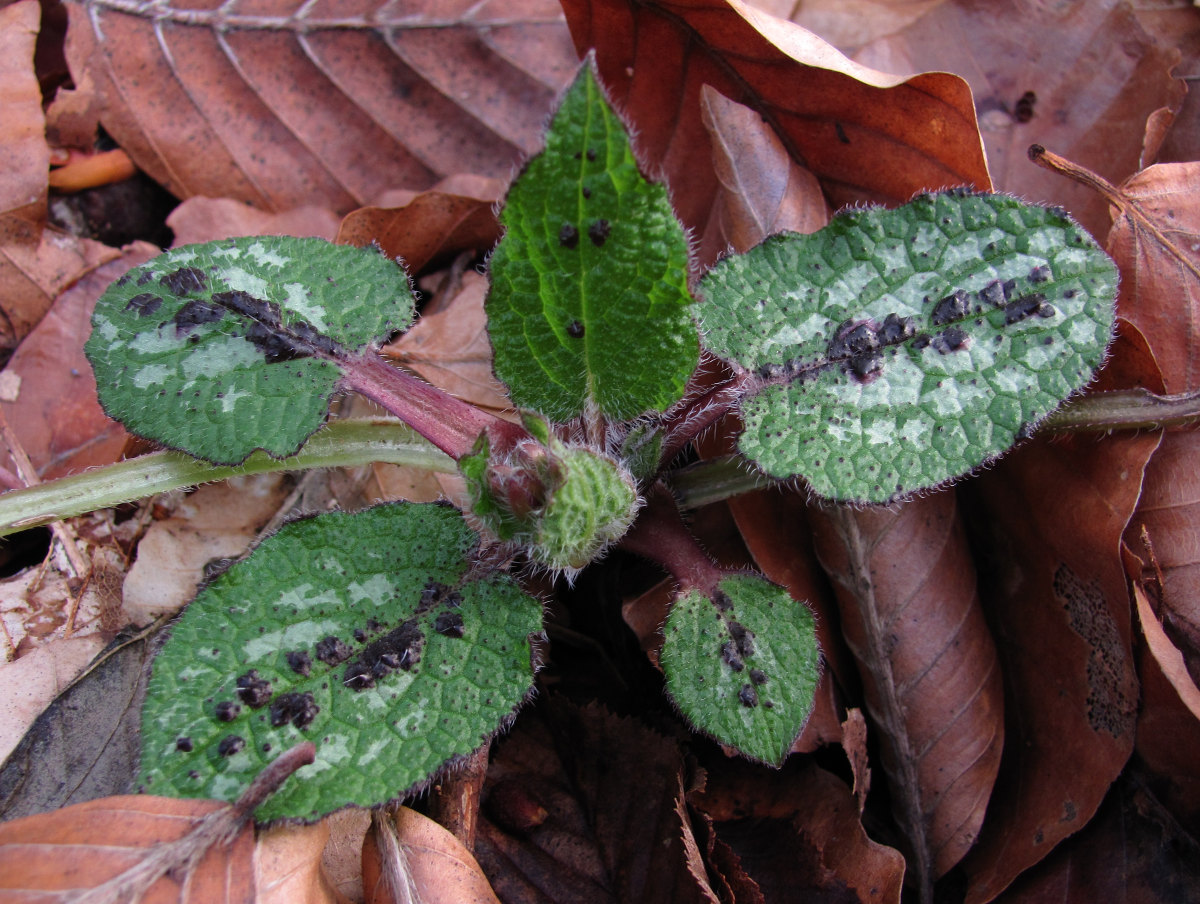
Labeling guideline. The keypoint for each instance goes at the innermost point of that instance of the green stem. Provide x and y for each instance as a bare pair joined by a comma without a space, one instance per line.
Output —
343,444
713,480
1125,409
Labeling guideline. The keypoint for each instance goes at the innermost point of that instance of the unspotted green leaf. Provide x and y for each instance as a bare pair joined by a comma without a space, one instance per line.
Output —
742,665
360,632
231,346
897,349
589,300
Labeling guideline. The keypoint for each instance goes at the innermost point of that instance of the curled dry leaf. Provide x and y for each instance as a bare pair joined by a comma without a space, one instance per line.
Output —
867,136
1166,654
849,24
414,853
912,618
762,189
430,227
1079,78
1050,525
796,834
288,866
589,813
1155,240
36,263
289,103
209,219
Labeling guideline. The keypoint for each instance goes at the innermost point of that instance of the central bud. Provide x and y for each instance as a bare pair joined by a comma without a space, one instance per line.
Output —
563,503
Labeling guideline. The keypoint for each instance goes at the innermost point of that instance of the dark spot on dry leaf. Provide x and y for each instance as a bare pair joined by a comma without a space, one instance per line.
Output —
1023,112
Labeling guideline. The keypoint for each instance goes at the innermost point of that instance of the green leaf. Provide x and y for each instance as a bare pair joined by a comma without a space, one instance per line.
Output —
231,346
897,349
589,301
301,624
742,665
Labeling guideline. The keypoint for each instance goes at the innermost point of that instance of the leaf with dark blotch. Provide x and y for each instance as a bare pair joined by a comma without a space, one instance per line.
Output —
866,136
294,104
1049,532
911,616
1037,78
581,805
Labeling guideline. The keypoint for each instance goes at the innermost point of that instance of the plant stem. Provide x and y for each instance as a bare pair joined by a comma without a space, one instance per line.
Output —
451,424
693,416
713,480
660,535
343,444
1125,409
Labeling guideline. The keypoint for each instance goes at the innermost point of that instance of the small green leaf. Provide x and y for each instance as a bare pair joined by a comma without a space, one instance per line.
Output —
589,300
743,665
360,632
898,349
231,346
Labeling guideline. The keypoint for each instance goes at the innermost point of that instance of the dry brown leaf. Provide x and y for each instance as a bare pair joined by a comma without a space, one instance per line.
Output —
215,522
1155,241
29,684
449,347
762,190
1054,585
911,616
610,832
419,851
56,416
58,856
1168,511
288,866
431,227
36,263
867,136
210,219
1133,852
1166,654
796,833
286,103
849,24
1079,77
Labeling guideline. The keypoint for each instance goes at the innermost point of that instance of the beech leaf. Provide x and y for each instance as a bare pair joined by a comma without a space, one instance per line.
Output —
359,632
742,665
223,348
589,301
287,103
898,349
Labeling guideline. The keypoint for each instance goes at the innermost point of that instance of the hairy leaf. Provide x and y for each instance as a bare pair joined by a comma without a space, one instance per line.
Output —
742,665
589,299
356,631
898,349
231,346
